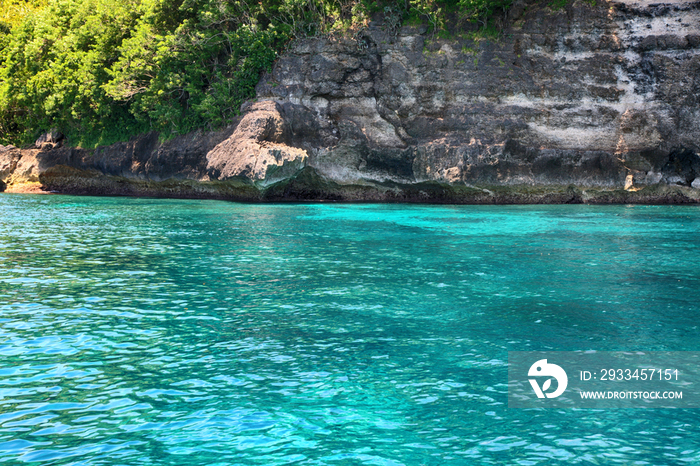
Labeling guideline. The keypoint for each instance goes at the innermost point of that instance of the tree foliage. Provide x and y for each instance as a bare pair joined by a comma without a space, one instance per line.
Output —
12,12
54,65
481,11
103,70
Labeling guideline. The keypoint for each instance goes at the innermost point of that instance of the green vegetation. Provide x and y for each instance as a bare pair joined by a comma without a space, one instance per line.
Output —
558,4
103,70
12,12
482,11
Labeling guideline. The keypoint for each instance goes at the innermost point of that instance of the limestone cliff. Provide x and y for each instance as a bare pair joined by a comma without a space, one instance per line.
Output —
586,104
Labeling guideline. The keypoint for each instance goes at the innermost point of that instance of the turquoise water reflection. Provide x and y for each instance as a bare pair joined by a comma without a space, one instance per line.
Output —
159,332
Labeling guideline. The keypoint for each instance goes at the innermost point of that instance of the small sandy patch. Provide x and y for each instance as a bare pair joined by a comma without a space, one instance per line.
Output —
26,188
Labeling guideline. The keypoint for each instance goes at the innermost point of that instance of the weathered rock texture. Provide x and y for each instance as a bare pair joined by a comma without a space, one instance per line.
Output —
587,104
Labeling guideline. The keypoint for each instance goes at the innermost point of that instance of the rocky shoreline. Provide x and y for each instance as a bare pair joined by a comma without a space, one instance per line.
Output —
308,186
584,105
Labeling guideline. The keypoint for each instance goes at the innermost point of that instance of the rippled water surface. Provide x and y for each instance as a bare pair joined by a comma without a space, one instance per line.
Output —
158,332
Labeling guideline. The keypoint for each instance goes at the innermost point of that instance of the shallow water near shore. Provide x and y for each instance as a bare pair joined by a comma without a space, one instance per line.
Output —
168,332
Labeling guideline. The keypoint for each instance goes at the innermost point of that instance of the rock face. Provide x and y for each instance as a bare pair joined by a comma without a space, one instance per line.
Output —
49,140
586,104
258,147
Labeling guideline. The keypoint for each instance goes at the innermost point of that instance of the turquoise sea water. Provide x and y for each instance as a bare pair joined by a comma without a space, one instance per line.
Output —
171,332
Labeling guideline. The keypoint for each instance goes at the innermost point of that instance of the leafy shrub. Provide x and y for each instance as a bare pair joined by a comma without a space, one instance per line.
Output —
481,11
53,65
